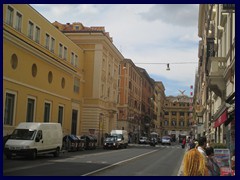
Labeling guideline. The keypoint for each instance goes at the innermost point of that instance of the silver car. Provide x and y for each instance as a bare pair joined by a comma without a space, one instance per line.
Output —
166,140
143,140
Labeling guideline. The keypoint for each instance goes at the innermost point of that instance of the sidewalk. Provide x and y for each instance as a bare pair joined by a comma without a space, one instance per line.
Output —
180,171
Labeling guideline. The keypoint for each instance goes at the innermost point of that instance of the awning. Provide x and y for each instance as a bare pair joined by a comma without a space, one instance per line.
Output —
221,119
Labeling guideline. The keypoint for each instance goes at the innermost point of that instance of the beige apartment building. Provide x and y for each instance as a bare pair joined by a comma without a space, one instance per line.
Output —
215,80
42,72
101,71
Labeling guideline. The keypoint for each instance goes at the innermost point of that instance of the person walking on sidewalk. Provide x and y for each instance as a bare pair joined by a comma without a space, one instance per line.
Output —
214,169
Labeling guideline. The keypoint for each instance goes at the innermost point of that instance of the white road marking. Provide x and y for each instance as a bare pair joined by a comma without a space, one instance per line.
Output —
120,162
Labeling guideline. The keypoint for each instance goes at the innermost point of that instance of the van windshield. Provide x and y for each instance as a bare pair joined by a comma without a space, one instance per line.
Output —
119,136
23,134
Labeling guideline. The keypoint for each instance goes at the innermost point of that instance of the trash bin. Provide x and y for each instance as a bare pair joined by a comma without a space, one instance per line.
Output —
70,143
81,143
90,141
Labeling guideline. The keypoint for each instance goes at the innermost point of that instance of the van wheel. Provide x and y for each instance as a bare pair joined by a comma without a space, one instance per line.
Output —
57,153
33,154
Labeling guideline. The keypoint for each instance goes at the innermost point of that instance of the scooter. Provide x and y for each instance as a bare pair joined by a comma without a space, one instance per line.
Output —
153,142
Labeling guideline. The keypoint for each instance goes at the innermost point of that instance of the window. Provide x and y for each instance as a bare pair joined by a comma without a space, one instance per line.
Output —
165,123
60,114
60,51
173,123
52,44
14,61
50,77
166,113
18,22
34,70
30,29
47,40
10,16
181,113
181,123
174,113
65,53
74,122
37,34
47,111
30,110
72,58
63,83
9,109
76,85
76,61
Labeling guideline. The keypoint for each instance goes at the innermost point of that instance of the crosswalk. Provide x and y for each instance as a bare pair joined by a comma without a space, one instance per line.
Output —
177,146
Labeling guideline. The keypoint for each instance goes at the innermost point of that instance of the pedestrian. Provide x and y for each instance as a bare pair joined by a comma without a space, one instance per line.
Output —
194,164
183,143
214,169
202,143
193,144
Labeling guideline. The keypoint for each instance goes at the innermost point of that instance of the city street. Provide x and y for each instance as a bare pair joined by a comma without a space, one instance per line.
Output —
136,160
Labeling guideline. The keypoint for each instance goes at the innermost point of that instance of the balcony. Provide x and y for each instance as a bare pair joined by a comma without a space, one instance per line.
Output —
216,68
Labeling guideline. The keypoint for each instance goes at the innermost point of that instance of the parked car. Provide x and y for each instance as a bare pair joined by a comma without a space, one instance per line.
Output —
110,142
166,140
143,140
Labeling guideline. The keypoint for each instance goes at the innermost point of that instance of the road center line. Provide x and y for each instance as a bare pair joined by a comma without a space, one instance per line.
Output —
120,162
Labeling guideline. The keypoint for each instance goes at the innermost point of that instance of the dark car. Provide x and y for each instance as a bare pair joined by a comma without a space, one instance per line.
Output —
110,142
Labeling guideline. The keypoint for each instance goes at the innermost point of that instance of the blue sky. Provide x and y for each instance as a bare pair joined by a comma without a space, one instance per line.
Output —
144,33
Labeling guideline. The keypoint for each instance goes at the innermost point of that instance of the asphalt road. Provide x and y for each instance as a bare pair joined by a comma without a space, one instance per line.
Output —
136,160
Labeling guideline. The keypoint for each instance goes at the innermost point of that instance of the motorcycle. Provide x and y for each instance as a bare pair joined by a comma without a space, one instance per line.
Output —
153,142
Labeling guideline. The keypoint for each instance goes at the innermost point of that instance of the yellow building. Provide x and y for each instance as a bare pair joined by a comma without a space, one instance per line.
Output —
176,117
42,72
101,72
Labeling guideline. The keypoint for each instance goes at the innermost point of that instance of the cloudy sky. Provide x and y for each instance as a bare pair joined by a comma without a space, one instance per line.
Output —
144,33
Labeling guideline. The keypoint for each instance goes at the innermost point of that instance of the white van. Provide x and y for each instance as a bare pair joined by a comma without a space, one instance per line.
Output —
32,139
122,137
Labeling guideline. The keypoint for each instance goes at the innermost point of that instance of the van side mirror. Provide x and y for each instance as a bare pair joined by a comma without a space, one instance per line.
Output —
122,138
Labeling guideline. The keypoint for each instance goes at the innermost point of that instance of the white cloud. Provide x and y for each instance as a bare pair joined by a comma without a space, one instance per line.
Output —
160,33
